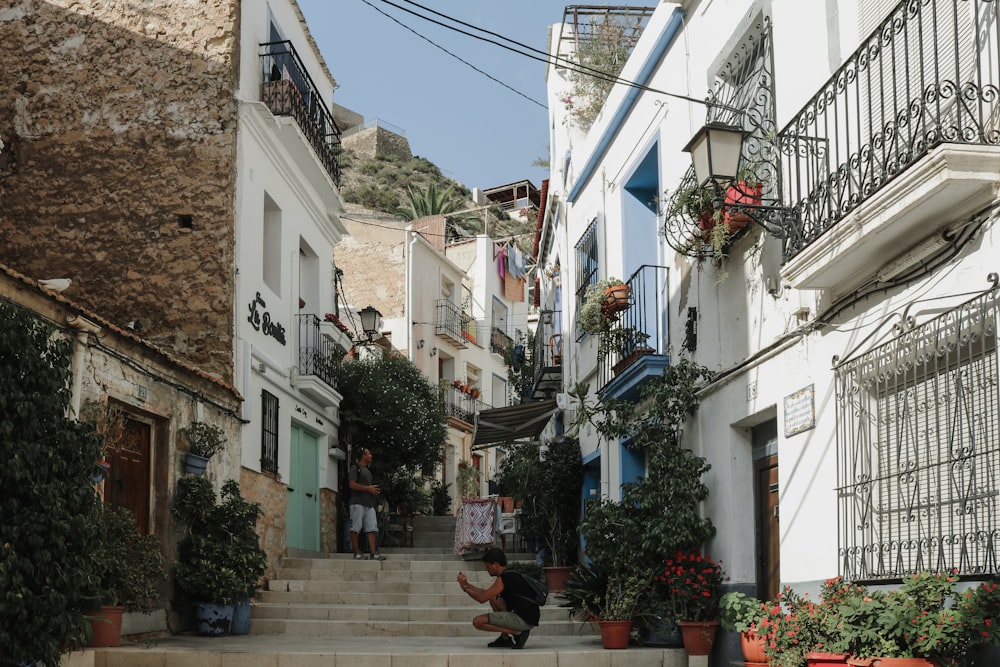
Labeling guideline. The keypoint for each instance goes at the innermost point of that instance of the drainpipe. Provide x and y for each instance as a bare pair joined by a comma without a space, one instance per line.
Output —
408,315
83,328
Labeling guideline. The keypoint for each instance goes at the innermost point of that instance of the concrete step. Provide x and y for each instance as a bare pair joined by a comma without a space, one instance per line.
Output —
410,628
256,649
348,612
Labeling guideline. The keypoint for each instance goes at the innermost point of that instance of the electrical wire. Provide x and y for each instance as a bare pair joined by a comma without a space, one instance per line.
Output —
487,75
545,58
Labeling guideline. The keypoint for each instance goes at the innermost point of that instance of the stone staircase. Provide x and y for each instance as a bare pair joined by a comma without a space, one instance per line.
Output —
333,611
413,593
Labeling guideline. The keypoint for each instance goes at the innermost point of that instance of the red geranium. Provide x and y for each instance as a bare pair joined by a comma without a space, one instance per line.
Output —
692,582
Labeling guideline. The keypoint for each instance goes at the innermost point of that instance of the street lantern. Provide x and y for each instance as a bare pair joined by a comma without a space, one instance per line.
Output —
371,322
715,152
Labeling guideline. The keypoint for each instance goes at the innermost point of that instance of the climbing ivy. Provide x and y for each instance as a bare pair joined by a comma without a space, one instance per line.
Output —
47,503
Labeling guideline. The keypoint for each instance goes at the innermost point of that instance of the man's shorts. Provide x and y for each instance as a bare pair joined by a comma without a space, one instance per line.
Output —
509,620
363,518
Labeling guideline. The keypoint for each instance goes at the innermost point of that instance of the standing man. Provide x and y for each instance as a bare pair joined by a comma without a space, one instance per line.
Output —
363,498
511,599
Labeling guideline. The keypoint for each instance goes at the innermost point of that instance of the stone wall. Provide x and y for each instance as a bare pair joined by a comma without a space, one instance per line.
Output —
264,489
119,125
377,142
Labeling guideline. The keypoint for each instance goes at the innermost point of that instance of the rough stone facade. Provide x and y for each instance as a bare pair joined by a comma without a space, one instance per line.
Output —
271,494
376,142
119,125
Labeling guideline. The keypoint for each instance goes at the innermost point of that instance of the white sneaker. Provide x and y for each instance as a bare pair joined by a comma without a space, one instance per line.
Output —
359,556
377,556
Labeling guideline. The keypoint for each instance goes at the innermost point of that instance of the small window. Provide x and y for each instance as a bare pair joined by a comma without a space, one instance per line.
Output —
269,432
271,241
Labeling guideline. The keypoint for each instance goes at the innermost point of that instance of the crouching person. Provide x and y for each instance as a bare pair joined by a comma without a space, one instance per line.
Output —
511,599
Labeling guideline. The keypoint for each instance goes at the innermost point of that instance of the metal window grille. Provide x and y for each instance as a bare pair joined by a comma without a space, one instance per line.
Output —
269,432
918,447
587,263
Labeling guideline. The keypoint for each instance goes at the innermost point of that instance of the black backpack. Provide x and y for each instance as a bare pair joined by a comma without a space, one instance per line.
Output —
539,591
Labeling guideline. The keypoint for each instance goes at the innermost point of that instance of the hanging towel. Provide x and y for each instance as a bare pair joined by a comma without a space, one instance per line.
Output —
502,263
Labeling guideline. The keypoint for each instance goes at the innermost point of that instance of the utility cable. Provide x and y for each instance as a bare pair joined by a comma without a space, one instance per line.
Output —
548,59
488,76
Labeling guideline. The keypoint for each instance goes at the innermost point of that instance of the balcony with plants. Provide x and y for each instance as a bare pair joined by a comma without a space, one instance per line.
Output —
321,347
462,400
633,335
896,150
288,90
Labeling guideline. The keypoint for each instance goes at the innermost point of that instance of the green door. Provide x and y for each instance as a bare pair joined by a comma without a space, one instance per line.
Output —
302,512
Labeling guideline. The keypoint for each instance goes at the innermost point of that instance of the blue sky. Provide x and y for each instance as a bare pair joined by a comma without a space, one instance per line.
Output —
477,131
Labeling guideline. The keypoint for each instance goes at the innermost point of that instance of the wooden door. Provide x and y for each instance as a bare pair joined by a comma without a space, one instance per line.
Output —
128,480
302,507
768,545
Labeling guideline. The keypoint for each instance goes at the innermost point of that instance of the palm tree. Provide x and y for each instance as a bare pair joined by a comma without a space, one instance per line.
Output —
429,202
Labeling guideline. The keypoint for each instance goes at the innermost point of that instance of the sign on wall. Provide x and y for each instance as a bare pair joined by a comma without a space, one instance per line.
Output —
261,320
800,411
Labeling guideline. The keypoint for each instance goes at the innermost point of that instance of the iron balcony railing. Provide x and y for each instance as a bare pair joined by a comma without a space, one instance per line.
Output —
288,90
317,353
453,323
641,329
546,360
500,341
930,74
462,405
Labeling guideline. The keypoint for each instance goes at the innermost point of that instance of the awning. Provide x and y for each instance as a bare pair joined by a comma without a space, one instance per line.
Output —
513,422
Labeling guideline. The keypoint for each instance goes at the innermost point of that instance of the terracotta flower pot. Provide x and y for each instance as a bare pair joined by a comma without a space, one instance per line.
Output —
615,634
698,636
556,577
753,647
106,624
820,659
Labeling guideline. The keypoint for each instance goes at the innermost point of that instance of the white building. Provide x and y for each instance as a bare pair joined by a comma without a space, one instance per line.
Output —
852,327
446,307
287,207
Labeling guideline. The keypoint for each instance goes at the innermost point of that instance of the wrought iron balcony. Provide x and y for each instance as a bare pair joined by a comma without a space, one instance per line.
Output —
318,356
288,90
637,343
927,76
546,361
452,323
462,405
500,341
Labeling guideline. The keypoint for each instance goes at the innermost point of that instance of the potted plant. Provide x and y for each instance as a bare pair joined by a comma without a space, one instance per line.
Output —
624,344
220,561
741,613
618,607
129,568
557,508
693,583
204,442
636,531
923,623
601,303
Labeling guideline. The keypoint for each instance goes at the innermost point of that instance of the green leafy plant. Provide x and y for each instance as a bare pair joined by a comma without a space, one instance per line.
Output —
621,601
440,498
923,618
129,565
219,558
602,58
557,500
593,317
740,612
620,341
468,480
204,439
47,504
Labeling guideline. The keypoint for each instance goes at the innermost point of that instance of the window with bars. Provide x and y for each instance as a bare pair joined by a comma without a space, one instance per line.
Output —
919,450
269,432
587,263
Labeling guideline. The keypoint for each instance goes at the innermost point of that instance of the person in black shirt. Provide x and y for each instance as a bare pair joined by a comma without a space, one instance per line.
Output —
511,599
